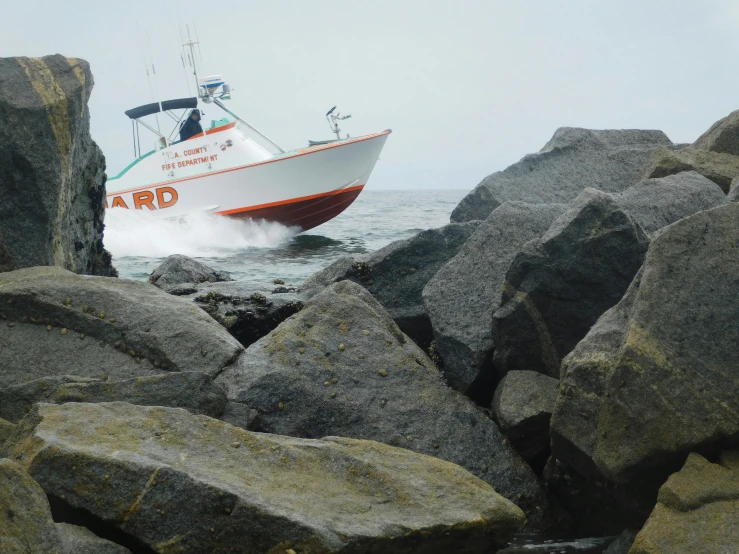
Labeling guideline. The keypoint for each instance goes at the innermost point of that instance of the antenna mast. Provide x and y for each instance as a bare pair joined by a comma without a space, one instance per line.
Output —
192,43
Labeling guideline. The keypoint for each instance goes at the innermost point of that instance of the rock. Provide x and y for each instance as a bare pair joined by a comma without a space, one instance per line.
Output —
195,392
342,367
719,168
657,376
6,428
558,286
78,540
183,483
697,512
58,323
248,311
52,174
26,526
656,203
523,405
572,160
463,295
397,274
178,269
622,544
723,136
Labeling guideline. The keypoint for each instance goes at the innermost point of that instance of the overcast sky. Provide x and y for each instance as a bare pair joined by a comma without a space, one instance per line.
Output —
467,86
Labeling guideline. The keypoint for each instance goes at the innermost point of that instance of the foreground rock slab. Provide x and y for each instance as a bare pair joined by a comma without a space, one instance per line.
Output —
397,274
178,269
184,483
572,160
59,323
464,294
342,367
52,174
697,512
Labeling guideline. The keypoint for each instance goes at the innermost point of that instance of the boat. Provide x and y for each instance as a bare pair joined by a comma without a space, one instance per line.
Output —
232,169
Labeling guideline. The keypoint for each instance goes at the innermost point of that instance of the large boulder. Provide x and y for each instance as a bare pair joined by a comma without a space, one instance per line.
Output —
247,310
656,203
59,323
722,169
697,512
52,174
178,269
193,391
342,367
572,160
464,294
26,526
723,136
184,483
397,274
523,404
558,286
658,375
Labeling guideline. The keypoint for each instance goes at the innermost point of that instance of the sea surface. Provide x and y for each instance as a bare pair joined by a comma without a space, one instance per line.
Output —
259,251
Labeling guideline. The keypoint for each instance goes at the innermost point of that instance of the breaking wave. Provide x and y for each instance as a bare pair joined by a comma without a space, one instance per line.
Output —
134,233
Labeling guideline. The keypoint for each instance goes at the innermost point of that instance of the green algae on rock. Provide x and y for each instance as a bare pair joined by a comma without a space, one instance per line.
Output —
697,512
175,482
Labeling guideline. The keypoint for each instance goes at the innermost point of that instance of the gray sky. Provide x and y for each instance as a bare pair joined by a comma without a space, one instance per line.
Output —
467,86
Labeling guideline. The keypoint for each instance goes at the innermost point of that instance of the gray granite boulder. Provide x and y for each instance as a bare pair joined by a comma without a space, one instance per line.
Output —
523,404
722,169
193,391
342,367
558,286
657,376
723,136
572,160
57,323
697,512
26,526
656,203
178,269
6,428
246,310
52,174
183,483
397,274
463,295
79,540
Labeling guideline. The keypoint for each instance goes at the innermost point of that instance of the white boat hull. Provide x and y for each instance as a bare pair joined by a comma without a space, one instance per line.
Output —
302,188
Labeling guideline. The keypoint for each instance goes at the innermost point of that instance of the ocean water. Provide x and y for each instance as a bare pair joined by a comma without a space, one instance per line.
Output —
258,251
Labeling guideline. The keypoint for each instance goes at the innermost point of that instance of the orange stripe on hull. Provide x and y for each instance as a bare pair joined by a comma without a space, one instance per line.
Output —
305,212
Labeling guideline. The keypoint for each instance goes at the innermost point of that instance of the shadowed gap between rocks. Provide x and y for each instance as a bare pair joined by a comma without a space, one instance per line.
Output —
62,512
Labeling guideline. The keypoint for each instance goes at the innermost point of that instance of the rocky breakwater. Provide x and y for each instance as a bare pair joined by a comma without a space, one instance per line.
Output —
52,174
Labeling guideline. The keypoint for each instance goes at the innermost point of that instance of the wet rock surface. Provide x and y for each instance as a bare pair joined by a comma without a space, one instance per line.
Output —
464,294
57,323
697,511
195,392
247,311
178,269
342,367
52,174
250,493
610,160
558,286
397,274
523,404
